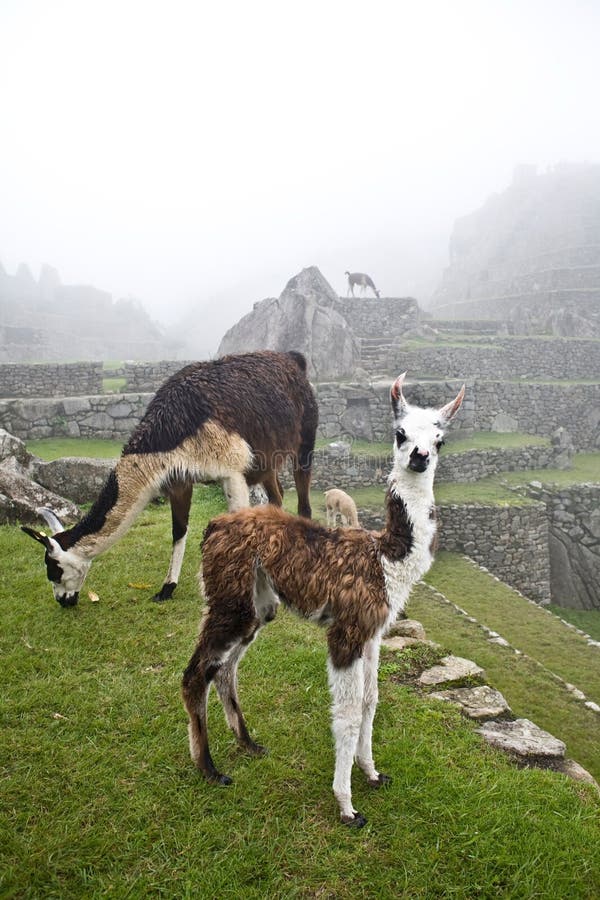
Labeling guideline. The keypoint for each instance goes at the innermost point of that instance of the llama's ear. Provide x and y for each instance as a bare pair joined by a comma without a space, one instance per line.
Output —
38,536
399,404
448,411
50,518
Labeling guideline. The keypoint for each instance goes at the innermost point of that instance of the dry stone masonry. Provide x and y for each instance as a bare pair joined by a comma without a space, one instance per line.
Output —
50,379
573,515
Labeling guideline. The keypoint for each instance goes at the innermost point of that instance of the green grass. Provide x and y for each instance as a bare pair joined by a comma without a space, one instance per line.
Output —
109,365
359,447
527,683
99,796
482,440
113,385
54,448
491,440
585,469
586,619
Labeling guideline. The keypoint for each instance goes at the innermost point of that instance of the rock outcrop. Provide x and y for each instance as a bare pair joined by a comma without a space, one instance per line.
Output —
20,494
47,320
530,255
303,318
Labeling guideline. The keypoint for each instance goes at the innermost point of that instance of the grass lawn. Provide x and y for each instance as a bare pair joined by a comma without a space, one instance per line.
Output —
487,491
527,683
99,795
586,619
585,469
482,440
554,647
54,448
113,385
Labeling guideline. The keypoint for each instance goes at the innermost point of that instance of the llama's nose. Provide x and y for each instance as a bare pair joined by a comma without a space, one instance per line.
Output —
418,460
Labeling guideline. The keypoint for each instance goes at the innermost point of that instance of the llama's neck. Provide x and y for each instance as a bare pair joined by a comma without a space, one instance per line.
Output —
406,544
126,492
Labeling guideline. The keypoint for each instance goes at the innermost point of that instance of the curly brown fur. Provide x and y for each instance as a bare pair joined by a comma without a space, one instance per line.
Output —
300,557
352,581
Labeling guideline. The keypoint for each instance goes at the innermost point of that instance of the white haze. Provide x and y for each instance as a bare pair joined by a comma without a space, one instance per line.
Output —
197,154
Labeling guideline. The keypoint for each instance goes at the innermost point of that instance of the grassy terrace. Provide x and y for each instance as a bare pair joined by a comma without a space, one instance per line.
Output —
550,646
482,440
99,795
54,448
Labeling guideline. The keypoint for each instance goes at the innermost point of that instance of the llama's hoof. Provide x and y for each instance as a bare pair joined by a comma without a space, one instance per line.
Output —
217,778
256,749
380,781
165,593
355,821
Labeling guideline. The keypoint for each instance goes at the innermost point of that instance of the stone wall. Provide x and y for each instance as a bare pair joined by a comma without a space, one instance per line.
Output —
503,357
387,317
106,416
360,411
50,379
363,411
349,471
148,376
574,539
540,409
510,541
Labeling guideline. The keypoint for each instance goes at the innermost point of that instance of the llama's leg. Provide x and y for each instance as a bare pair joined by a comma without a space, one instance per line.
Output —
329,517
280,486
302,480
180,497
364,752
197,679
344,519
346,685
220,637
236,491
271,485
226,685
265,602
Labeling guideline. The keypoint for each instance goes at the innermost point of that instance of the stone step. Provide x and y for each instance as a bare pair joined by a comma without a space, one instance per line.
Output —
523,739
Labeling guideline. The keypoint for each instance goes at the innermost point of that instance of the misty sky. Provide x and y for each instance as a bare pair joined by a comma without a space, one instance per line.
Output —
191,152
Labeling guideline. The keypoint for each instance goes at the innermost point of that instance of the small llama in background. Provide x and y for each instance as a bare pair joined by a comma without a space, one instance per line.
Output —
339,503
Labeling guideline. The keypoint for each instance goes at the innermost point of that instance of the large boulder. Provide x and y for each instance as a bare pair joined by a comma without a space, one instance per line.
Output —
303,319
20,497
11,446
78,478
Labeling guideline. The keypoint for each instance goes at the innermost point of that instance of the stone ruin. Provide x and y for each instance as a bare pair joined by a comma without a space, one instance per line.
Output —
308,316
46,319
530,256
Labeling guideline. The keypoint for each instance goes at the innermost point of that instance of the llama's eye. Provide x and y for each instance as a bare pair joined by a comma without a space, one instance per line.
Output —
400,437
439,443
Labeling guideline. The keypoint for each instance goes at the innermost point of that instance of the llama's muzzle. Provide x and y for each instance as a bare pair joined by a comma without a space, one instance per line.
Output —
418,460
68,599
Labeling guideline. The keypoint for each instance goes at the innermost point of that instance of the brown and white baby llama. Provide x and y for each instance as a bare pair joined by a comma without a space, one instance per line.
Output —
235,419
352,581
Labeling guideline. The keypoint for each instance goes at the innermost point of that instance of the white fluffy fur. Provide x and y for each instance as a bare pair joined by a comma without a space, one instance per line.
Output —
354,690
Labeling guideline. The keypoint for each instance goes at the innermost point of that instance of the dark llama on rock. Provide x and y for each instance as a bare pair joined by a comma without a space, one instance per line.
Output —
353,582
235,420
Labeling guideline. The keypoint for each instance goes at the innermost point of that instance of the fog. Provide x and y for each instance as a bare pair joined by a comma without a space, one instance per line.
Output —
196,155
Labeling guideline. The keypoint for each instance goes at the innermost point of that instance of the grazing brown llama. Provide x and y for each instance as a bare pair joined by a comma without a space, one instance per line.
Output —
234,420
339,503
352,581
